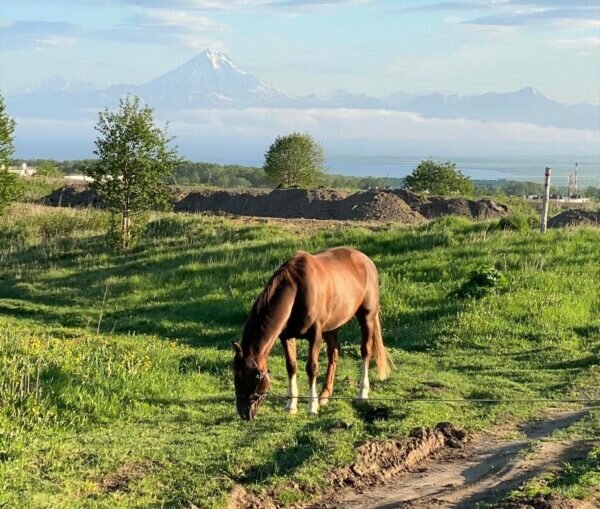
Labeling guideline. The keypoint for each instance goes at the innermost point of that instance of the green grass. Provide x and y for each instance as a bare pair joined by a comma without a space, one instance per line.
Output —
115,388
34,189
576,479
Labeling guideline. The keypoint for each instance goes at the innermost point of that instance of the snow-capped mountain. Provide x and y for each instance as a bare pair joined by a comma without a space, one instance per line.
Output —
211,80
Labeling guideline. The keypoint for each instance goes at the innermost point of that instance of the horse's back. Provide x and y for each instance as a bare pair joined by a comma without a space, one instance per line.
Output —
339,282
347,262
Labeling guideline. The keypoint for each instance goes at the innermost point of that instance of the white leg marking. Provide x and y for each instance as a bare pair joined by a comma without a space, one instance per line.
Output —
363,391
313,398
292,404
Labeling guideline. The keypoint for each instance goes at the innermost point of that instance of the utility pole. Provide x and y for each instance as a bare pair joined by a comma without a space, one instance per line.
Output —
546,202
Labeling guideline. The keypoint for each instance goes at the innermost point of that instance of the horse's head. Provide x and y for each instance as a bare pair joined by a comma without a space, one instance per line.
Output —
251,383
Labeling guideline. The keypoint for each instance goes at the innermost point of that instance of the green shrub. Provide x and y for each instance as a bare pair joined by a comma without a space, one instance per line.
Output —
480,283
518,222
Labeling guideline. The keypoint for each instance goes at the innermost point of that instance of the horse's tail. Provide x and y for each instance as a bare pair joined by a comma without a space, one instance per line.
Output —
382,357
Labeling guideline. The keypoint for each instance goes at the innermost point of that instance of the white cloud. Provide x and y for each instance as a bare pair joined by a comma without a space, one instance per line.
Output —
340,124
584,45
242,135
178,19
369,125
237,5
53,41
180,26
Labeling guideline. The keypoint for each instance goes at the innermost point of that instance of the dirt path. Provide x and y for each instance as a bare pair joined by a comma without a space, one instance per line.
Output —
484,470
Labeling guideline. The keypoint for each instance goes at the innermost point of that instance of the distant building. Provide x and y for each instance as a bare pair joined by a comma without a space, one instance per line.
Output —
24,170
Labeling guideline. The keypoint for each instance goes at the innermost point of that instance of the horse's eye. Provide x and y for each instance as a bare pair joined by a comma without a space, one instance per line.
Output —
258,376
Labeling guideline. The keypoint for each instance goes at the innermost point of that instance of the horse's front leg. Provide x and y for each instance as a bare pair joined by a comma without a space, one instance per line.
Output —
289,349
333,354
312,368
366,321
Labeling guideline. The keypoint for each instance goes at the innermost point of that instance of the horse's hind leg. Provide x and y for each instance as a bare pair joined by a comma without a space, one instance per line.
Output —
366,319
333,354
289,349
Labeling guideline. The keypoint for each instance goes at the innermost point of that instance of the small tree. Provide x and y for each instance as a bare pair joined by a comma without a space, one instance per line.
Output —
48,170
133,159
438,178
9,185
294,160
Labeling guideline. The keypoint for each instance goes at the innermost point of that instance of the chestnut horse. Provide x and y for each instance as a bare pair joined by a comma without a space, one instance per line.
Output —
310,297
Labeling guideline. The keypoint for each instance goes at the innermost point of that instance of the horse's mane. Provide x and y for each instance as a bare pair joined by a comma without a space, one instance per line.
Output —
288,273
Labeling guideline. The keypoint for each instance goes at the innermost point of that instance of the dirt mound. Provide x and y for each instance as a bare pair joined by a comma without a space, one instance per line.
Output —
436,207
322,204
575,217
303,203
381,460
378,205
77,195
414,200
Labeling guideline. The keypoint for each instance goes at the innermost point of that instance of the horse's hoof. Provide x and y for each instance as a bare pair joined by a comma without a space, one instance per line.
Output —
323,401
291,410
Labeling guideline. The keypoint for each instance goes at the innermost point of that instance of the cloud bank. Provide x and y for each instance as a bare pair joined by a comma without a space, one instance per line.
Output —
385,132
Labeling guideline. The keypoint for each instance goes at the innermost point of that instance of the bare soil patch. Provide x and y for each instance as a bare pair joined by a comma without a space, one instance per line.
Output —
120,479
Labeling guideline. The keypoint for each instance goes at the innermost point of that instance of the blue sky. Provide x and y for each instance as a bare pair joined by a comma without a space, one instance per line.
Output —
303,46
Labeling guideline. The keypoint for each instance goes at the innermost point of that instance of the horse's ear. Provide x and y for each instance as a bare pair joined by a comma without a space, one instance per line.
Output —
237,349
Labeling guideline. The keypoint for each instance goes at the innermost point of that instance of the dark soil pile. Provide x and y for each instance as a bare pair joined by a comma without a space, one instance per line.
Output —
302,203
574,217
77,195
323,204
436,207
378,205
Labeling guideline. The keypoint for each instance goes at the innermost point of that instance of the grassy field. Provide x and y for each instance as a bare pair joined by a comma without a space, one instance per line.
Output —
115,387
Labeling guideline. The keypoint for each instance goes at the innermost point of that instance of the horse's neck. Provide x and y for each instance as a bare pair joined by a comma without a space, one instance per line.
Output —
260,337
266,323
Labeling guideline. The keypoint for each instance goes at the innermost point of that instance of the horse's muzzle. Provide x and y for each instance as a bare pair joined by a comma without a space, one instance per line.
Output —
247,407
247,411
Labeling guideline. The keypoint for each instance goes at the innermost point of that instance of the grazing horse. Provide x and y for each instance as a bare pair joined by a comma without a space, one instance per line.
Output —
310,297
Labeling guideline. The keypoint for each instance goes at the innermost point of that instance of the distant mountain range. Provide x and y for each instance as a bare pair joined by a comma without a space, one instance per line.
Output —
212,81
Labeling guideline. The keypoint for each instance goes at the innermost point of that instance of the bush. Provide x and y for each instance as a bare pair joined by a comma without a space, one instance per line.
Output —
518,222
480,283
433,177
294,160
